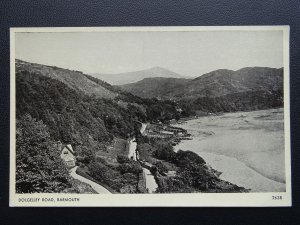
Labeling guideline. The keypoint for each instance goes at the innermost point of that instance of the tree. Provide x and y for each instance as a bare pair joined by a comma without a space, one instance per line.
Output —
122,159
39,167
164,151
161,167
99,171
130,167
85,155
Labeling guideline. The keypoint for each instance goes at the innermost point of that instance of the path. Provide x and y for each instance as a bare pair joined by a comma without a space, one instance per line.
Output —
143,128
98,188
151,184
132,149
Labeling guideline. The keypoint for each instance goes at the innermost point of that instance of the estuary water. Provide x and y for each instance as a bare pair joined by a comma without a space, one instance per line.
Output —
247,147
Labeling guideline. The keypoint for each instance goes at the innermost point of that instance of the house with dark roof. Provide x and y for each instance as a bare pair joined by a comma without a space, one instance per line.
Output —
67,154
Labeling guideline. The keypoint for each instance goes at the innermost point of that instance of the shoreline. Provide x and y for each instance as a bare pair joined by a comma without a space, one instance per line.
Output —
213,159
209,180
184,119
233,175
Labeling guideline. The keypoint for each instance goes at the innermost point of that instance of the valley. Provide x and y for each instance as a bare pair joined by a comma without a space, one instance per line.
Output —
129,138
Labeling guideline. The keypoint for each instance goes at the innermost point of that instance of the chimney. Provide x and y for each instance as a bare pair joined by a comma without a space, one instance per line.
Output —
59,145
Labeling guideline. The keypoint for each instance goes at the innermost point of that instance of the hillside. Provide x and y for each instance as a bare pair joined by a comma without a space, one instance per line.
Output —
154,87
131,77
223,82
218,91
49,111
54,105
58,105
214,84
73,79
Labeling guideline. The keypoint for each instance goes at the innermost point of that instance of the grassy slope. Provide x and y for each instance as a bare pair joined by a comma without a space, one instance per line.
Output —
80,188
113,177
73,79
118,146
154,87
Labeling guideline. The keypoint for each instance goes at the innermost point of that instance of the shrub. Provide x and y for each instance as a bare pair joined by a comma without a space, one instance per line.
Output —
169,185
130,167
85,155
186,157
99,171
164,151
122,159
161,167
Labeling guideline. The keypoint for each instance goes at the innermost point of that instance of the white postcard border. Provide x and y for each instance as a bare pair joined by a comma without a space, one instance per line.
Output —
172,200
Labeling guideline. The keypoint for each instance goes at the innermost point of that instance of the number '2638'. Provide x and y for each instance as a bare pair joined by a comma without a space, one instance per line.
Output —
276,197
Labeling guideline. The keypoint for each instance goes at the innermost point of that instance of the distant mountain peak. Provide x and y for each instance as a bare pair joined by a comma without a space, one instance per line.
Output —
158,69
135,76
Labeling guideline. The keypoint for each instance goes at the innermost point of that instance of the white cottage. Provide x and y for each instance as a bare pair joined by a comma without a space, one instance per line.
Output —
67,154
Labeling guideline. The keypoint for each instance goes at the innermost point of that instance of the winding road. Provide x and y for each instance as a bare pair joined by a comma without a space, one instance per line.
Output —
132,149
143,128
98,188
150,181
151,184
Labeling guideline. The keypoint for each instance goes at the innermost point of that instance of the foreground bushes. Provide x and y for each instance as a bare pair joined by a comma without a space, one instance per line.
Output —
39,167
164,151
123,178
192,172
130,167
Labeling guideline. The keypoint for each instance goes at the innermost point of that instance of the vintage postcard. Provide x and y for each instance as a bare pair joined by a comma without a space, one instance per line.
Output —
150,116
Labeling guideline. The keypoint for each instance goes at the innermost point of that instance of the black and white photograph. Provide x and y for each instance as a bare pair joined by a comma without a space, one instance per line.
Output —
127,116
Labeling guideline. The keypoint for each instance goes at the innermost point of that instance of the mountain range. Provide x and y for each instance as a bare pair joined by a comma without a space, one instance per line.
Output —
222,90
164,84
214,84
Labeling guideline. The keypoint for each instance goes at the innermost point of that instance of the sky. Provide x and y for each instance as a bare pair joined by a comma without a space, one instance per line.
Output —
187,53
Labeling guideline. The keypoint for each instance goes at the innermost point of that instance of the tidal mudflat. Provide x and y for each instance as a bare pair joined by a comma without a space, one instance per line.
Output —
247,147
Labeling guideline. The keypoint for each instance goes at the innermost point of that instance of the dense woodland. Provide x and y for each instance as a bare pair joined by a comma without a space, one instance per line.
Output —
88,122
244,101
38,165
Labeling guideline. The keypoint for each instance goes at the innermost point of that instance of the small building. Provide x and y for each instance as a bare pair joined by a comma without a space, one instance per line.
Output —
179,110
171,173
67,154
167,132
180,134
